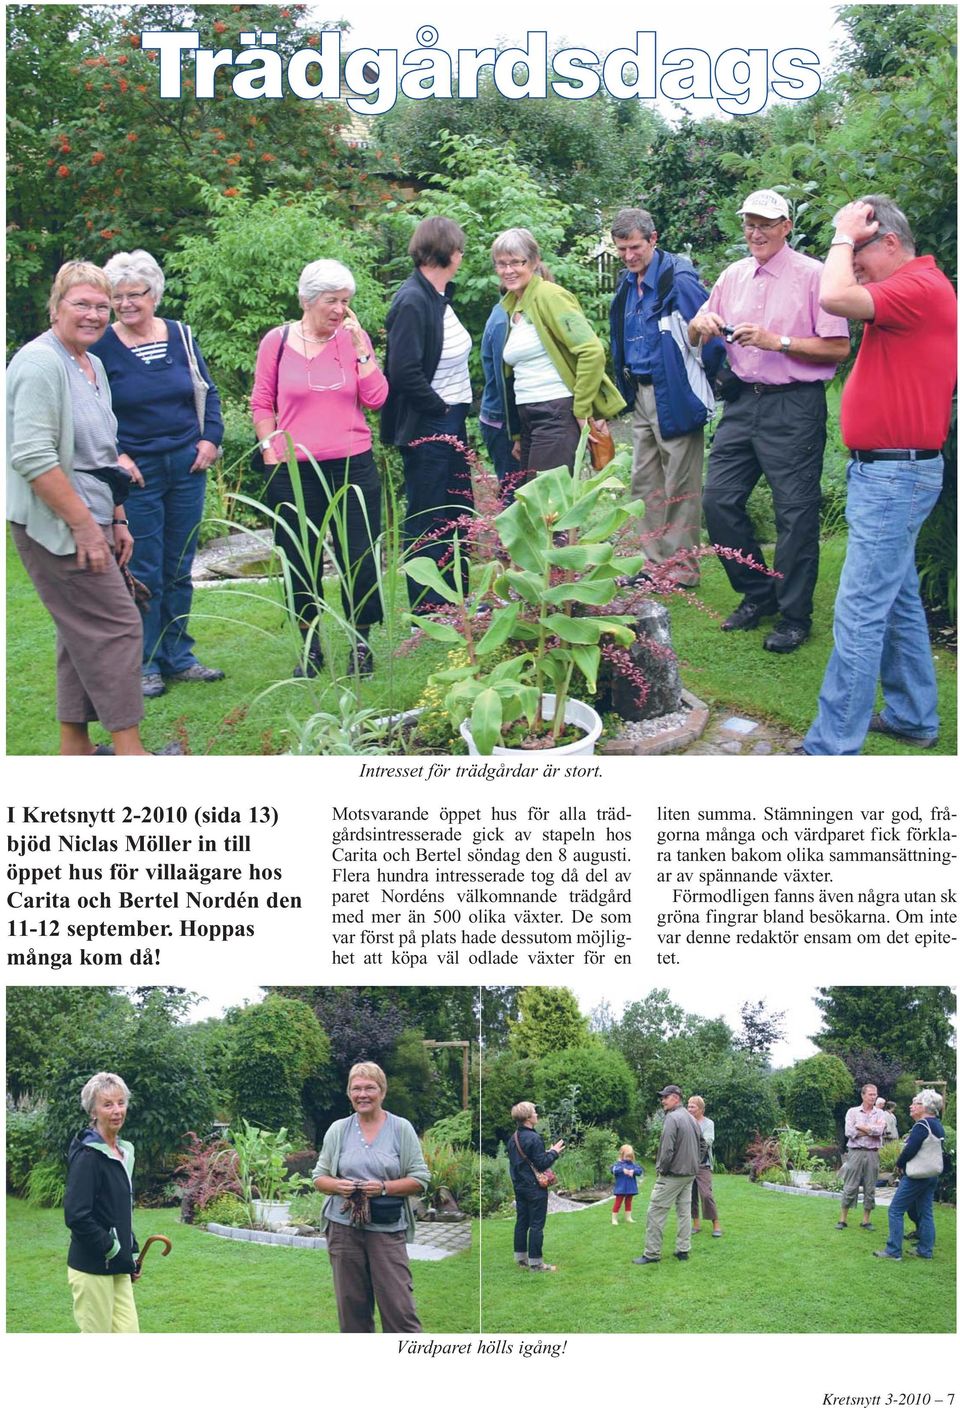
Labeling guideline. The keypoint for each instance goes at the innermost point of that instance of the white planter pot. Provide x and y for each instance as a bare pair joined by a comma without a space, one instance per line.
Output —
270,1214
577,713
800,1178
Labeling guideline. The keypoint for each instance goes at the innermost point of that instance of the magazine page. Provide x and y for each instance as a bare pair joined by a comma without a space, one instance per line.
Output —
488,968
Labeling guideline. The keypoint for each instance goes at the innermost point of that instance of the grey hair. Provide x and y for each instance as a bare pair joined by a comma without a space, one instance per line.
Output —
96,1085
519,243
629,220
524,1111
930,1100
136,267
891,220
324,276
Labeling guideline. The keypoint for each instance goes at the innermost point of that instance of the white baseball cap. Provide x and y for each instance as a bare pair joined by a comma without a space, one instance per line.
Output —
769,203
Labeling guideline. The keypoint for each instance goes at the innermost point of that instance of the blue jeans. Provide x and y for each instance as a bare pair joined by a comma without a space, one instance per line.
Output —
500,449
164,519
879,629
916,1194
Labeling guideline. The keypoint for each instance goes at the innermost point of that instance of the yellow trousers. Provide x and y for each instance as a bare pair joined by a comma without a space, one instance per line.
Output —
103,1305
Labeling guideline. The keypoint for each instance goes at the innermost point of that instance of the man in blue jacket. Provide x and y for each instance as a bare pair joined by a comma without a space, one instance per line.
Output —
668,386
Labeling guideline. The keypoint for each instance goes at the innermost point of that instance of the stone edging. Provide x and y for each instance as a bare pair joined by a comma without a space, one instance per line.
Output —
804,1192
669,742
275,1239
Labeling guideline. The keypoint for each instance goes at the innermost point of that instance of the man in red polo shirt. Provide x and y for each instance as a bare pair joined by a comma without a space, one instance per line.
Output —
894,418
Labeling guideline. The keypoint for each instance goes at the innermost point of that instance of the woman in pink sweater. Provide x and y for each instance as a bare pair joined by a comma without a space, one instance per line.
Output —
314,379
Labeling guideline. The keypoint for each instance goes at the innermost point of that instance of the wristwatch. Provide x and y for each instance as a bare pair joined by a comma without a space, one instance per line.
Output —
383,1189
362,361
267,442
842,239
785,343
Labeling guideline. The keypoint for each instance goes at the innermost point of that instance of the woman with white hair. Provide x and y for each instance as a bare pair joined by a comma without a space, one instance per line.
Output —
921,1161
314,380
170,429
98,1209
554,359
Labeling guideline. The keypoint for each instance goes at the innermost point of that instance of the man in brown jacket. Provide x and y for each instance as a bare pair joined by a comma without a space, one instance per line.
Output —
682,1150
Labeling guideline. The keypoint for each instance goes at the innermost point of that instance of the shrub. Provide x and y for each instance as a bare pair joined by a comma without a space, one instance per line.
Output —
454,1129
507,1079
740,1100
46,1184
277,1047
205,1171
601,1147
450,1168
817,1091
496,1185
776,1173
26,1144
227,1209
306,1210
607,1086
889,1153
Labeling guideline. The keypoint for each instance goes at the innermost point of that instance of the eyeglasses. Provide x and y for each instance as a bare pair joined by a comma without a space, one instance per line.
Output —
509,266
131,295
334,386
762,227
102,310
863,244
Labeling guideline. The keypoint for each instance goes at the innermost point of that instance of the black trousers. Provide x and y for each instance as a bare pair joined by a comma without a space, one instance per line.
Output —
780,436
549,435
354,527
531,1219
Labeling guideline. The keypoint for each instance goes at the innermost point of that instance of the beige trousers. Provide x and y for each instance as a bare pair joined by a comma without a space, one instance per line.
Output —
103,1305
669,1190
668,476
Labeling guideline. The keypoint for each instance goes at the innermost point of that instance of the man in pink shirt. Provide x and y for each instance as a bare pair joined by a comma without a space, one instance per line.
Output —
782,347
864,1128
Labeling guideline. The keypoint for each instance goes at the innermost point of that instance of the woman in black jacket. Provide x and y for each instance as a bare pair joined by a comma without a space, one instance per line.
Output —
528,1157
425,412
98,1209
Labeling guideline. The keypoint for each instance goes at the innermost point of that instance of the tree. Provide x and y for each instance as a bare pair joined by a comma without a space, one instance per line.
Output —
665,1045
759,1029
909,1026
100,162
739,1099
170,1092
549,1019
590,147
818,1091
498,1009
39,1019
279,1065
606,1087
506,1079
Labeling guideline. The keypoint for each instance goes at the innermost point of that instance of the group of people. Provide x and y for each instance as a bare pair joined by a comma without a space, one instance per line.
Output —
111,430
684,1180
867,1127
371,1166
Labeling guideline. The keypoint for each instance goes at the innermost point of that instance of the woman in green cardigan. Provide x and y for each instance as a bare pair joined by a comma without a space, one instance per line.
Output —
371,1165
553,358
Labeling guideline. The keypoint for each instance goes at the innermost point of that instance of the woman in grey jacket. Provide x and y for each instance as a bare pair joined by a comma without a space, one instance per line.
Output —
371,1165
65,497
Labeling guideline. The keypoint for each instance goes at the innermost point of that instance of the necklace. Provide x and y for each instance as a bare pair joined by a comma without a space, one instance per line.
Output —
319,340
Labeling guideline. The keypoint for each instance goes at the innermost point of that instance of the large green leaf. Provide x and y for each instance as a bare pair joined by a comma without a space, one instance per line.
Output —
486,719
578,630
548,494
592,593
526,584
580,556
438,630
524,538
501,624
587,660
424,571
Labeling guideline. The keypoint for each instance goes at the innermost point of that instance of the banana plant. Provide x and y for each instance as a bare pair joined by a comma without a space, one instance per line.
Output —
559,555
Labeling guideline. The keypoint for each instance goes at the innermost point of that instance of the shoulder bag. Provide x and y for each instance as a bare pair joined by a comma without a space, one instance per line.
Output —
928,1161
200,387
545,1177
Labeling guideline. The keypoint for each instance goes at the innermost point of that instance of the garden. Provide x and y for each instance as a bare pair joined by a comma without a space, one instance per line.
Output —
226,1117
542,608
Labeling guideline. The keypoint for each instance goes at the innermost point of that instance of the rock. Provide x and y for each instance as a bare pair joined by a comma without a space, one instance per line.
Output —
654,656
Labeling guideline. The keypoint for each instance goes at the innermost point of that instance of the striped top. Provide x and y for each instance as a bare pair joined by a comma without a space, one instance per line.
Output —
149,352
451,380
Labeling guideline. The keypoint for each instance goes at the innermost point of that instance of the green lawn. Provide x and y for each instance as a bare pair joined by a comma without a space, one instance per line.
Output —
779,1268
241,629
733,671
211,1285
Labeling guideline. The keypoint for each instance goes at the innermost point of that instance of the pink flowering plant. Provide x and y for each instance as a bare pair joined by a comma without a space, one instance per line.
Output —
533,614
